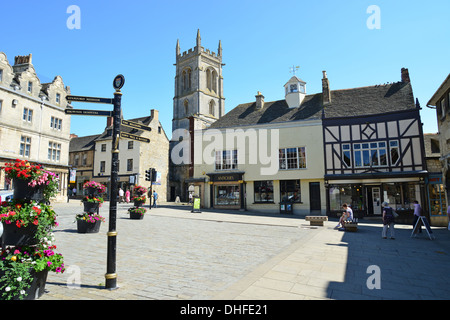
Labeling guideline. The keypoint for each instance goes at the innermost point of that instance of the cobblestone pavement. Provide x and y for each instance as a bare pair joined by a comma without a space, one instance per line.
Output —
170,254
174,254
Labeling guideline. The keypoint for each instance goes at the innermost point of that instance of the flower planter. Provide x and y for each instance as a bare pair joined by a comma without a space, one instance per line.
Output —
138,204
37,287
136,216
15,236
91,207
92,191
88,227
23,191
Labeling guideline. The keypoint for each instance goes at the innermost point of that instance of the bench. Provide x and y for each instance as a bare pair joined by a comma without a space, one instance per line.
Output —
351,226
316,220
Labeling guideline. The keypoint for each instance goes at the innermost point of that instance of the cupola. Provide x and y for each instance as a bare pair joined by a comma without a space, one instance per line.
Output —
295,92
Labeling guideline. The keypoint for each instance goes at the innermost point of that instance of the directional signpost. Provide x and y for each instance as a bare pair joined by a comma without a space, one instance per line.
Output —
135,125
119,81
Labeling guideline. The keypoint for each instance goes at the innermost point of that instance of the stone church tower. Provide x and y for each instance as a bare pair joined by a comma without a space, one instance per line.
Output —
198,103
198,86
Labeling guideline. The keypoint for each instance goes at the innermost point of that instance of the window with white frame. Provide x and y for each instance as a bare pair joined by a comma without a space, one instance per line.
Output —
25,146
347,155
226,160
54,151
292,158
55,123
371,154
27,115
30,86
395,153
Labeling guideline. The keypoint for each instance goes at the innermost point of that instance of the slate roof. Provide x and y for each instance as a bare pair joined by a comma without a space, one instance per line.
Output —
82,143
344,103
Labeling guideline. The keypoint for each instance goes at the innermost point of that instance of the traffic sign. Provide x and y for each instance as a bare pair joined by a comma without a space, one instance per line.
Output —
135,125
90,99
134,137
82,112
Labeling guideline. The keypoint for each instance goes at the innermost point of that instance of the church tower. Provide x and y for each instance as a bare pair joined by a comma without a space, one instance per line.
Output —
198,86
198,103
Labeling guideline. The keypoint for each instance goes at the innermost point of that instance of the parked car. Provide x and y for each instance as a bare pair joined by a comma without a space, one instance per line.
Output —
6,195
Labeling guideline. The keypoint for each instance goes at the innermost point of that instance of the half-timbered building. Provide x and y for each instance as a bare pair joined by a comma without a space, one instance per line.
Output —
373,148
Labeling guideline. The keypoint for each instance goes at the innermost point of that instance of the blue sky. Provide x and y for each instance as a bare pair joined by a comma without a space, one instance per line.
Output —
261,40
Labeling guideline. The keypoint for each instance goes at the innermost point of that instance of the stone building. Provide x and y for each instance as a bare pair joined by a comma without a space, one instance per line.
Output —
441,102
135,157
198,102
33,123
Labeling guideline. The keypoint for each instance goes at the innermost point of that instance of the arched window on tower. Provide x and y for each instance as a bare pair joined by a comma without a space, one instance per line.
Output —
186,78
186,107
208,79
214,81
212,108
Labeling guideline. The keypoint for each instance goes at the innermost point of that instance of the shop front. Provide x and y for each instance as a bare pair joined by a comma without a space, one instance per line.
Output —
437,201
227,190
365,196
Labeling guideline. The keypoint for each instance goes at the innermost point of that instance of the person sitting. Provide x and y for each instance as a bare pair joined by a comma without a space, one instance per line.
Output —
347,215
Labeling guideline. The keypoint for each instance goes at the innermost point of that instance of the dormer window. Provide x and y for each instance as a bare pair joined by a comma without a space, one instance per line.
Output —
58,98
30,86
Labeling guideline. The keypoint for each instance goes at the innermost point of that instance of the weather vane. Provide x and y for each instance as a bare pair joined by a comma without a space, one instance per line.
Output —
294,69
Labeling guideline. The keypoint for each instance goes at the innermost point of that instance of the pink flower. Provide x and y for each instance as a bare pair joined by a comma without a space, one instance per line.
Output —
49,263
17,252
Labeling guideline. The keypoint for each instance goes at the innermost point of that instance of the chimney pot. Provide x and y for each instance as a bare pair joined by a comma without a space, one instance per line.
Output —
405,75
259,100
326,92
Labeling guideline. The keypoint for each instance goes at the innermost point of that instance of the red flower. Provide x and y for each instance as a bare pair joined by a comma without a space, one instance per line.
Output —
35,222
18,223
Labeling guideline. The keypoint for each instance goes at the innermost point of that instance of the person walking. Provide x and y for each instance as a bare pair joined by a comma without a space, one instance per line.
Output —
155,197
127,196
388,221
417,214
120,195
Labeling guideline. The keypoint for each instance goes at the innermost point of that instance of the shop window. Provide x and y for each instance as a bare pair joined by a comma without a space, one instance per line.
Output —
401,196
227,195
438,206
290,191
263,191
350,194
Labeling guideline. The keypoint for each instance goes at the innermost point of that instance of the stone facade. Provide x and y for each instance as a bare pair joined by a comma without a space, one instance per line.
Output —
33,123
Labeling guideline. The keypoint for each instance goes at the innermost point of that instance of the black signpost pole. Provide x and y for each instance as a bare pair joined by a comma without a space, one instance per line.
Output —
111,276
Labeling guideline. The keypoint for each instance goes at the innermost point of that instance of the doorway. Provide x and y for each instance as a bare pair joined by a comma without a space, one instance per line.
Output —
374,200
314,197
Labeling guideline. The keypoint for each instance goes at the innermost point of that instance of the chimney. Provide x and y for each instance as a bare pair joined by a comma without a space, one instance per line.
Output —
154,114
259,101
405,75
109,122
22,59
326,93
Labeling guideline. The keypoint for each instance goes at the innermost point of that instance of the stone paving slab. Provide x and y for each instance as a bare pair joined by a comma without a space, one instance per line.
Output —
174,254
